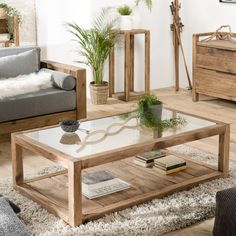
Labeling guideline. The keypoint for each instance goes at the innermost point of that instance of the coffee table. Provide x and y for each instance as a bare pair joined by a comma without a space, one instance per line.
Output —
111,145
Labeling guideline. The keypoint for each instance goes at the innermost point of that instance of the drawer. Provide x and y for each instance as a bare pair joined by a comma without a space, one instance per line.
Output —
216,59
215,83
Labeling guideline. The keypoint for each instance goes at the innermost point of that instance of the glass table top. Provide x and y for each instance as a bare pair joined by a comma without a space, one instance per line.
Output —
110,133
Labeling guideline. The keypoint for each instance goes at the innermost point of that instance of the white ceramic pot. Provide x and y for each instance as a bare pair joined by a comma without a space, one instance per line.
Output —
2,13
126,22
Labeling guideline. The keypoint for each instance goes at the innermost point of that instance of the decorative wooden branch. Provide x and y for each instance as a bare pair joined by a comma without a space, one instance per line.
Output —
177,28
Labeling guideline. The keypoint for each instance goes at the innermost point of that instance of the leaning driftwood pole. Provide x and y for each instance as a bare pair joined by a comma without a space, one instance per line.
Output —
177,28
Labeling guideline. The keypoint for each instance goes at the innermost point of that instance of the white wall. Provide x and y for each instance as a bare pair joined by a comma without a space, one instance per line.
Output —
52,34
56,43
197,16
28,27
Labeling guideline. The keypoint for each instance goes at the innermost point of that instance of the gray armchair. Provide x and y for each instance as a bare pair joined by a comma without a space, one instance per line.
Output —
65,100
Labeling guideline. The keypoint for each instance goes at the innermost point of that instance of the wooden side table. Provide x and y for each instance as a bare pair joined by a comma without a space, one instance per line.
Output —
129,93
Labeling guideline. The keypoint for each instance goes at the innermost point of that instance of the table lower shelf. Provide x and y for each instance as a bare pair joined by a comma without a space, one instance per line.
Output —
52,191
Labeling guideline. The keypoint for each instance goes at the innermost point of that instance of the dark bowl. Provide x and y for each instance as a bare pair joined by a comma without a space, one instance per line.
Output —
70,126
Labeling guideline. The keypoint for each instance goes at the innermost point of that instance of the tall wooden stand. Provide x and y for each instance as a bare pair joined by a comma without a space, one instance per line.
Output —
129,93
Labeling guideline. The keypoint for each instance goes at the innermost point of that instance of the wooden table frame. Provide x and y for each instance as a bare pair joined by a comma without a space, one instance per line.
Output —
74,215
129,65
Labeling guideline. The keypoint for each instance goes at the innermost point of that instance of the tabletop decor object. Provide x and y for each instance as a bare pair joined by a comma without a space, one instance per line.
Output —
70,126
150,114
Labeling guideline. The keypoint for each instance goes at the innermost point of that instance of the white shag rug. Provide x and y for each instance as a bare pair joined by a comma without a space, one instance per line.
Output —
154,218
23,84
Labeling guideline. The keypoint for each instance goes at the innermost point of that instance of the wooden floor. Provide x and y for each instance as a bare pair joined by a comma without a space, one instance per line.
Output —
207,107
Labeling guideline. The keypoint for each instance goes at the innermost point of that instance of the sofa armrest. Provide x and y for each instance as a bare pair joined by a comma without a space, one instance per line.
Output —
80,75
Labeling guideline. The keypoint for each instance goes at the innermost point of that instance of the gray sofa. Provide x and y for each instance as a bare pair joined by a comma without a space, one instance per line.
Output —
65,100
225,218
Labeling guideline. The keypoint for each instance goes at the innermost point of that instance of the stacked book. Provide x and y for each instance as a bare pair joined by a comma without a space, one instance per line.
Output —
169,164
101,183
147,159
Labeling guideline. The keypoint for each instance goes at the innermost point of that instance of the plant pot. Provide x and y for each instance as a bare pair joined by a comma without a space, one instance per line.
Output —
99,93
2,13
156,110
126,22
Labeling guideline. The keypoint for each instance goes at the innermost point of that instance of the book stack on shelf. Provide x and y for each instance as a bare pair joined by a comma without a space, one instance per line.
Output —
169,164
147,159
101,183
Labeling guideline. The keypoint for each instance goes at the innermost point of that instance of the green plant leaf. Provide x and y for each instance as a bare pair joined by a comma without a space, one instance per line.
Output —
124,10
96,43
147,2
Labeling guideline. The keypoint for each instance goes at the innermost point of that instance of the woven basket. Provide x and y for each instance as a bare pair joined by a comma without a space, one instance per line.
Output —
99,93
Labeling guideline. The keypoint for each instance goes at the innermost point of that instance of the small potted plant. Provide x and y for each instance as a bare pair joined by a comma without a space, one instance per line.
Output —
95,44
150,114
151,103
126,21
8,12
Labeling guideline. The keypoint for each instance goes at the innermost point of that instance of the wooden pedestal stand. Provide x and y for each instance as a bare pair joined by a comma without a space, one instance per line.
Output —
129,93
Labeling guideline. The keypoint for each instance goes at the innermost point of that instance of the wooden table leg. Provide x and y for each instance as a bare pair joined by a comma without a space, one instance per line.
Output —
74,193
147,62
224,144
127,66
17,163
112,73
132,62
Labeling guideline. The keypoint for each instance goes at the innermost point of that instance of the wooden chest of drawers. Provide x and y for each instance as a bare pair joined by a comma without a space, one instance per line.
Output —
214,68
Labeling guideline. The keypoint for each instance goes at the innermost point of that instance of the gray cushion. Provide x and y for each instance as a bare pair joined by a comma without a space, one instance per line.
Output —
14,207
225,218
43,102
9,223
62,80
17,50
20,64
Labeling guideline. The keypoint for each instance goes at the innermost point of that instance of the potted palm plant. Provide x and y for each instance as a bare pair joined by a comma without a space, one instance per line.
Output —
126,21
8,12
95,44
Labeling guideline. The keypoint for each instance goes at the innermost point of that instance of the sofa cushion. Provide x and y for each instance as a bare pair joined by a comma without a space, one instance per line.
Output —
9,222
20,64
61,80
14,207
43,102
17,50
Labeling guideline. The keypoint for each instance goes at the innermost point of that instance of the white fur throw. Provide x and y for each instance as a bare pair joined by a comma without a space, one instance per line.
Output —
25,84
